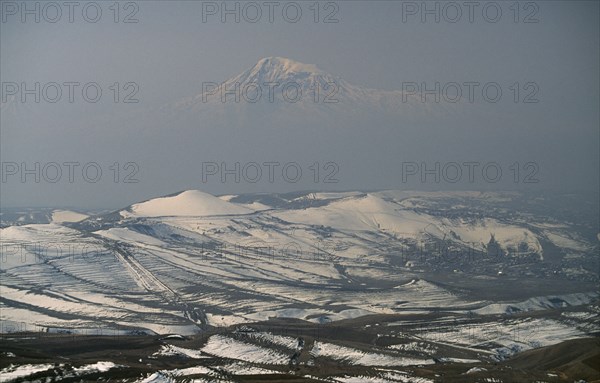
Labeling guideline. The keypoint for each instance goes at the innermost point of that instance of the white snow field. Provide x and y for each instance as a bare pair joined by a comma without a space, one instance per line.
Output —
362,358
226,347
180,263
188,203
14,372
61,216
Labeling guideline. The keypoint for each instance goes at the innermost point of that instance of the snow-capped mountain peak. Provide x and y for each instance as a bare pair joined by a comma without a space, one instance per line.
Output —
285,65
289,87
282,71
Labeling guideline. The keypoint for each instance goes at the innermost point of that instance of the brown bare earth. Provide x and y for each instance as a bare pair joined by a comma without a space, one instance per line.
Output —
568,361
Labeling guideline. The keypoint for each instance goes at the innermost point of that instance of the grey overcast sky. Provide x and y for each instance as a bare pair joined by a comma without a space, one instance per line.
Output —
175,46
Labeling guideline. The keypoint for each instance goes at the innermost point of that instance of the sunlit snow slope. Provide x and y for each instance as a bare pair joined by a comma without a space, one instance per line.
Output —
187,261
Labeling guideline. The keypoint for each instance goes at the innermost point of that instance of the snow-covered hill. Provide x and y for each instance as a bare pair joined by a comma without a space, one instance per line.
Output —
187,203
185,261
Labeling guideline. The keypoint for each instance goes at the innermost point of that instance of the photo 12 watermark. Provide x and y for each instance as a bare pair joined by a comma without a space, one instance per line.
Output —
469,171
69,172
270,172
71,92
470,12
52,12
254,251
490,92
252,12
43,252
320,91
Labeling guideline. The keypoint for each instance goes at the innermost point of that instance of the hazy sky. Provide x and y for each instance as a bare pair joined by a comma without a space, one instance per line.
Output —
175,46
